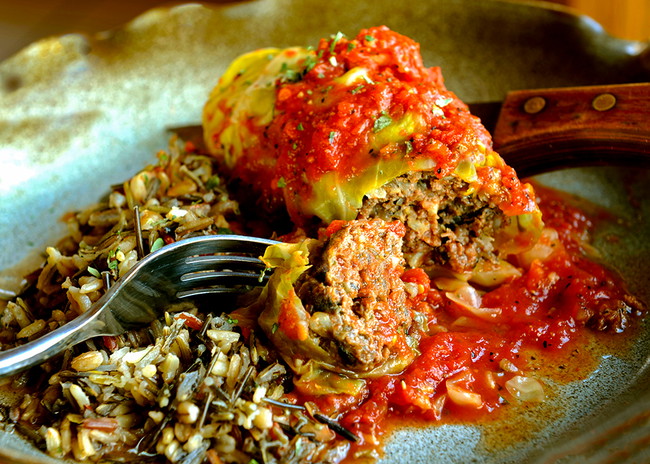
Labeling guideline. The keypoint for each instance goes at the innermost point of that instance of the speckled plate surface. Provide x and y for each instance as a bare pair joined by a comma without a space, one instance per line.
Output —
78,114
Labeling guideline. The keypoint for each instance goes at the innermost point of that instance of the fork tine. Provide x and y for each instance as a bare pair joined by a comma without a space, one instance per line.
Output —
210,245
214,290
215,262
229,281
228,271
231,277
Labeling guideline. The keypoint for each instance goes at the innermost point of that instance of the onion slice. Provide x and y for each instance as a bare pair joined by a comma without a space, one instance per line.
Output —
525,388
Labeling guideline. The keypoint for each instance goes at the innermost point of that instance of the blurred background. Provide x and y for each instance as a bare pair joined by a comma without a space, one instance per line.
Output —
627,19
23,22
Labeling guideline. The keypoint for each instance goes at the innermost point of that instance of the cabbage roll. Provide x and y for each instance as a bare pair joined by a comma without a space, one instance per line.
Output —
358,129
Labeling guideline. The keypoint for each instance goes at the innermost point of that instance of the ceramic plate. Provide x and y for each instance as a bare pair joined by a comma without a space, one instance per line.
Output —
78,114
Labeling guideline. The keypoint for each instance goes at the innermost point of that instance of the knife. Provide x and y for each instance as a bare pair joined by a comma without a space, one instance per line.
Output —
541,130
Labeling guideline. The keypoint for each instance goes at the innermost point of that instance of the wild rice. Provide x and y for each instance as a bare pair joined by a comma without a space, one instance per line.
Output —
182,393
87,361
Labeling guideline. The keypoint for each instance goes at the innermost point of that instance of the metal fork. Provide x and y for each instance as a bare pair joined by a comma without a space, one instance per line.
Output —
215,264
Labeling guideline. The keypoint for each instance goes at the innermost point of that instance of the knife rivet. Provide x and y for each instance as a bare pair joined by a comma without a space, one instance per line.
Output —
534,105
603,102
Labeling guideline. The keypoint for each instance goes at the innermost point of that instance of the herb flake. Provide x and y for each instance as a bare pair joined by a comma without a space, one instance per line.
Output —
382,122
94,272
288,74
442,102
112,264
157,244
213,182
339,35
310,62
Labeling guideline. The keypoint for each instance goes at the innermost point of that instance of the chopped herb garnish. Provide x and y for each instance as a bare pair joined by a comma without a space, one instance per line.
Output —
339,35
382,122
300,127
369,38
94,272
157,244
357,89
213,182
351,46
310,62
367,79
275,327
442,102
231,320
282,183
288,74
409,146
332,137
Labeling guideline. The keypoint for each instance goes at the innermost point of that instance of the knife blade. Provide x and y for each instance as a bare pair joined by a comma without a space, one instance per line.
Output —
541,130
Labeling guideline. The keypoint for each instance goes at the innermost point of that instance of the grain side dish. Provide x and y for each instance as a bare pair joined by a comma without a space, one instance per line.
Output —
415,277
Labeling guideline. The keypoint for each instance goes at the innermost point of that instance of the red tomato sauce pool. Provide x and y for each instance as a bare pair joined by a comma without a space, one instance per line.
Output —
469,366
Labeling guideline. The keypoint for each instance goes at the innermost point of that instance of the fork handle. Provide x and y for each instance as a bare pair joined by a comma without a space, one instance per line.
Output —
546,129
87,325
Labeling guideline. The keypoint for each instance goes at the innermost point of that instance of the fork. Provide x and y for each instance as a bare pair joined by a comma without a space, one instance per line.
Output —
214,264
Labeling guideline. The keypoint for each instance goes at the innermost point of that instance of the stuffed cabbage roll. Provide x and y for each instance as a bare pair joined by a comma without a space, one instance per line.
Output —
339,303
360,128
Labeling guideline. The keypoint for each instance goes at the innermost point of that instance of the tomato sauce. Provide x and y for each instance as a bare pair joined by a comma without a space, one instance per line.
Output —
470,366
355,103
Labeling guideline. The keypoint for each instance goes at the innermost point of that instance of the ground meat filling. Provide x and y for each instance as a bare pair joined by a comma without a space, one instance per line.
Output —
613,315
444,225
355,294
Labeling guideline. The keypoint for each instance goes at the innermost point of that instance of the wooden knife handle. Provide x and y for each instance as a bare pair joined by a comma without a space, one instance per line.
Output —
548,129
